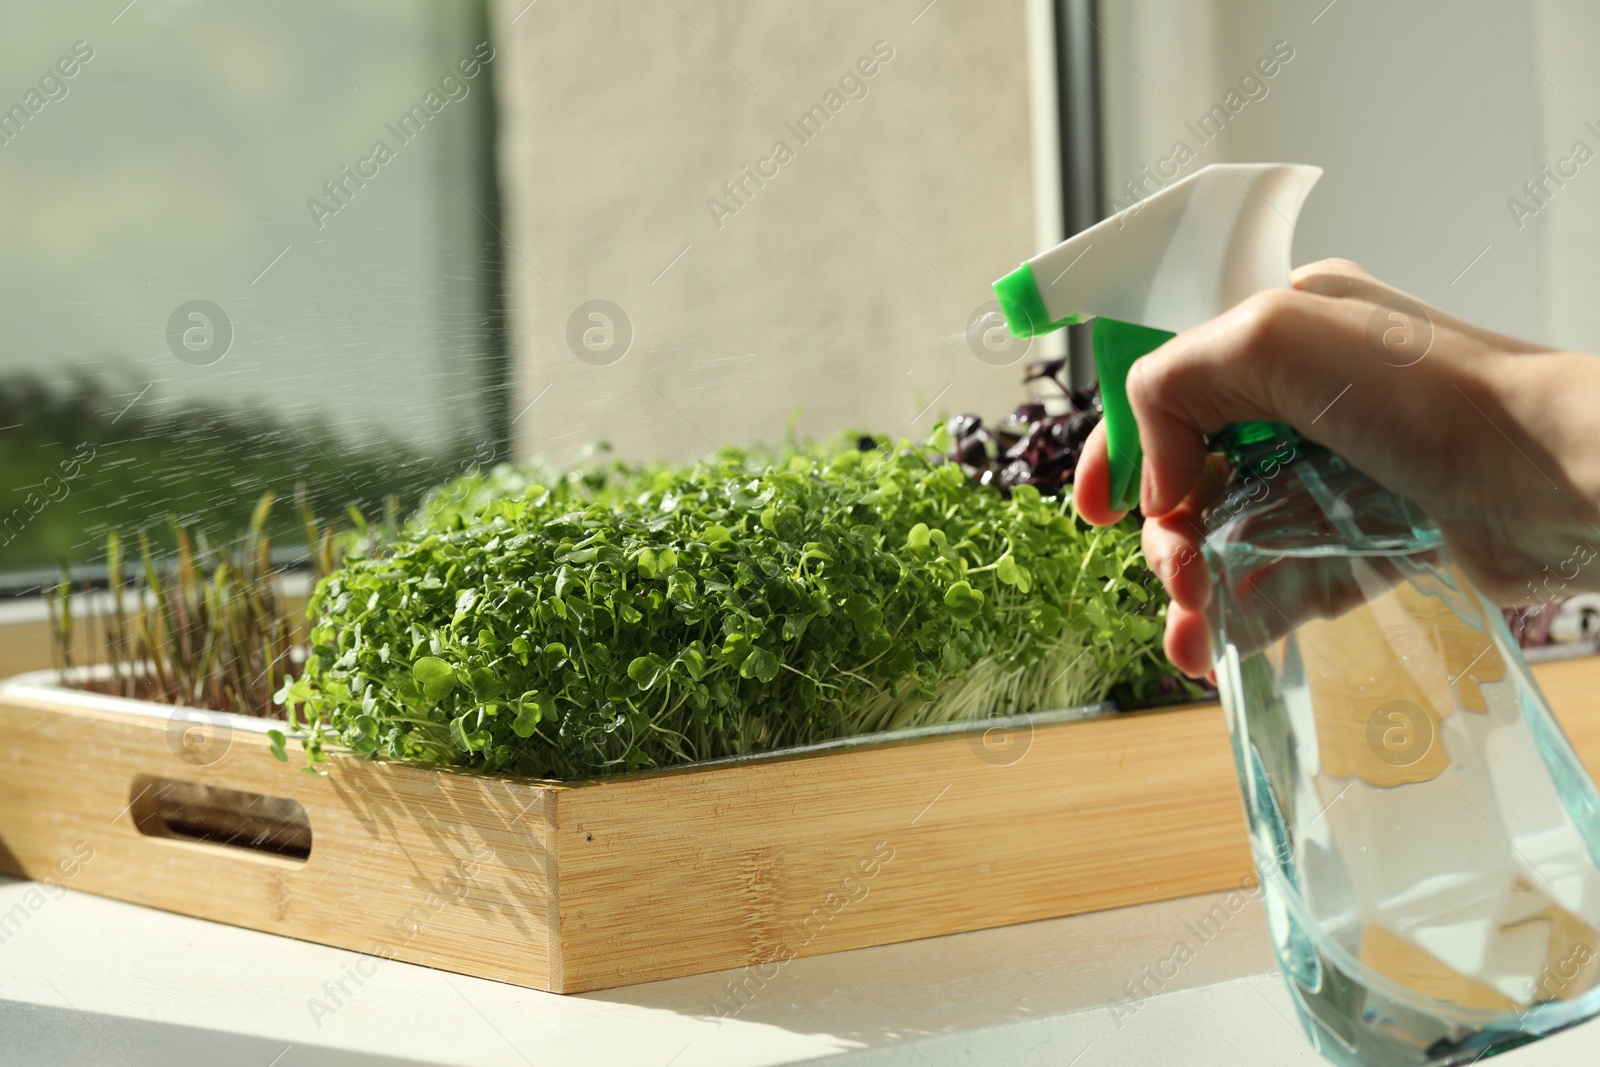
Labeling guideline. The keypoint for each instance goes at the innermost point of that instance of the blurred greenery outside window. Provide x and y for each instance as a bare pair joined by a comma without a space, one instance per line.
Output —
249,247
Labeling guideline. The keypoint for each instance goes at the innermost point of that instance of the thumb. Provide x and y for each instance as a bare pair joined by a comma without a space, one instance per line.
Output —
1268,358
1091,483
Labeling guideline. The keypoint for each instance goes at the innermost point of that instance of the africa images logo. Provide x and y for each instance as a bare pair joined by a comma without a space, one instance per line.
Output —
52,87
1400,733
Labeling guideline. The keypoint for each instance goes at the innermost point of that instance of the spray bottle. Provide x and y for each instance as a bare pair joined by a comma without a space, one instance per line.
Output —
1427,841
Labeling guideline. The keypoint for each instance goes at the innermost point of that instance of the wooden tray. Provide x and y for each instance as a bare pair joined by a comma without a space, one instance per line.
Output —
571,887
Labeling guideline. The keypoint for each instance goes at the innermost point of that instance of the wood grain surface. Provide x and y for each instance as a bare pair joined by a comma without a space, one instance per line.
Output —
580,886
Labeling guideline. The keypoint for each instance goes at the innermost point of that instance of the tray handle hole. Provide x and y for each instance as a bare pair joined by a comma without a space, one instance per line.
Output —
230,818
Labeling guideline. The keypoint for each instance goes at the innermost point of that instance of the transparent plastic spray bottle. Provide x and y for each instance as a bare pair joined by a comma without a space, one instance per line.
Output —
1427,841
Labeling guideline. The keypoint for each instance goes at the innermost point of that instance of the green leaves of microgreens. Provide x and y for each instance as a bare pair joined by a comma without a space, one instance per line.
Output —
650,616
435,676
965,603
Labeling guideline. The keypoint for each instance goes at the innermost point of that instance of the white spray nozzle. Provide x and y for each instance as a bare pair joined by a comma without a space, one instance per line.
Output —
1171,261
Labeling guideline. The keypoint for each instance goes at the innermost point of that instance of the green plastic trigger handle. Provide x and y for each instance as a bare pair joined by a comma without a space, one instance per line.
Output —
1116,346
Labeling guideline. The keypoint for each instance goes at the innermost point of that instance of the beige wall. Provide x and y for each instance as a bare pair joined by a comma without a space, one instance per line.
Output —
844,286
1426,115
1569,55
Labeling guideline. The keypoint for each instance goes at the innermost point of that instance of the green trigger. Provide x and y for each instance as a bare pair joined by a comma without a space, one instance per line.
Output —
1116,346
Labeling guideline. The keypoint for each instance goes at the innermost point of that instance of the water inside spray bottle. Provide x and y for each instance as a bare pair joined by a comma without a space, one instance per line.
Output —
1428,841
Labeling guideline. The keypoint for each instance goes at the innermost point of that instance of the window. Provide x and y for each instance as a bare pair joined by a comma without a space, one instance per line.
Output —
248,247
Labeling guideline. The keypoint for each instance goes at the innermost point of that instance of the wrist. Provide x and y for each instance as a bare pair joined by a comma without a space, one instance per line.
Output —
1553,400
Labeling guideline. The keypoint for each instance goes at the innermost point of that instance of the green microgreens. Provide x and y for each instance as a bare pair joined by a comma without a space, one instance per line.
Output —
626,617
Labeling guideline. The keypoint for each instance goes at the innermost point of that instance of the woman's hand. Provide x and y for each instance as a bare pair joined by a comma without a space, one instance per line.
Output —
1497,439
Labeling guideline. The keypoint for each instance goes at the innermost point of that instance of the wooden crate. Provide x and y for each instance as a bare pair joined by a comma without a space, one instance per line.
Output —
579,886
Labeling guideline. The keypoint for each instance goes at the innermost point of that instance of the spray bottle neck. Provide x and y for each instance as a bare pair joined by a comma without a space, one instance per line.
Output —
1254,448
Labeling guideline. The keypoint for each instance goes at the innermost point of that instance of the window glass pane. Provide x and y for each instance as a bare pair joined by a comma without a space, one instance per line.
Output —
205,297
